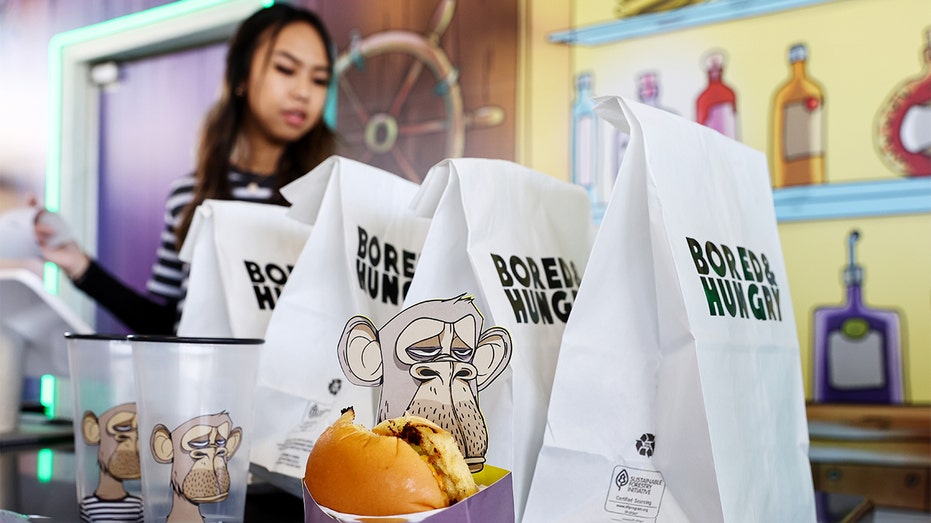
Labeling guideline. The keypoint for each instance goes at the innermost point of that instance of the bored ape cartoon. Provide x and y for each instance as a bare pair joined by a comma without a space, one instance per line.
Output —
431,359
116,433
198,451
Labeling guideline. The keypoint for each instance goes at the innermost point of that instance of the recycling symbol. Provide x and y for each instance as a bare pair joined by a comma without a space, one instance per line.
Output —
335,385
645,445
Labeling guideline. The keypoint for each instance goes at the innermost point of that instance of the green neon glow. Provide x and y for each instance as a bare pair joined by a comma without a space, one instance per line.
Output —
57,46
53,155
47,392
50,277
44,468
133,21
329,109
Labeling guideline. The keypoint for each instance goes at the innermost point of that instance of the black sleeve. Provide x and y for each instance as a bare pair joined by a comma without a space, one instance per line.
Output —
141,314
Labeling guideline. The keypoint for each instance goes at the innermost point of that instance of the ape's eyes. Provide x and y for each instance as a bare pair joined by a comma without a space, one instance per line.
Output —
199,443
462,353
461,350
127,427
221,442
421,353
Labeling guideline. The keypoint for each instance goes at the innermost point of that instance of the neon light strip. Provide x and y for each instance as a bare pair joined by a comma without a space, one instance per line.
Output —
50,277
47,392
57,47
44,465
53,155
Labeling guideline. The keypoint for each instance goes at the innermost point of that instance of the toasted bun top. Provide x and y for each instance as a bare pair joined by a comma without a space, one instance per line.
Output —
439,448
355,471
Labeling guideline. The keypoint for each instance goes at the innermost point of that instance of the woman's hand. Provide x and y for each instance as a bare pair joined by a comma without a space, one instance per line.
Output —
56,245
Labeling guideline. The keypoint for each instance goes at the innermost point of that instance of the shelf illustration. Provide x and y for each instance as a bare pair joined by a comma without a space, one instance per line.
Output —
853,199
689,16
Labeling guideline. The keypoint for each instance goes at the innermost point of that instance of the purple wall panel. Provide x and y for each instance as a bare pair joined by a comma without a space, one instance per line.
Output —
150,125
25,29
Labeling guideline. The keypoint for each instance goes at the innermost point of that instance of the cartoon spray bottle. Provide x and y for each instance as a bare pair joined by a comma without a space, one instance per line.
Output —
857,349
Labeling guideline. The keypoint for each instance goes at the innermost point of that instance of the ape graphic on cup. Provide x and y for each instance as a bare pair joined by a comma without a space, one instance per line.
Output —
198,451
107,465
195,400
116,434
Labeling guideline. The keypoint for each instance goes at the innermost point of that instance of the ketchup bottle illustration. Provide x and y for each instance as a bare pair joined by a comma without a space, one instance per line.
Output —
716,106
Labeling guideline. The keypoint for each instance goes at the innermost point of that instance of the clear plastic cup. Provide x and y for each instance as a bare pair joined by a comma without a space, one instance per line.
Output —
11,380
195,398
106,449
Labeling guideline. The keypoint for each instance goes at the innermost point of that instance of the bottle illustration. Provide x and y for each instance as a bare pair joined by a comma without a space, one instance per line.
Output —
903,130
648,93
798,127
716,106
857,349
585,139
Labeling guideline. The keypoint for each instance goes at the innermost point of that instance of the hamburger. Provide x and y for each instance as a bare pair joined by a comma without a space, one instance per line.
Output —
403,465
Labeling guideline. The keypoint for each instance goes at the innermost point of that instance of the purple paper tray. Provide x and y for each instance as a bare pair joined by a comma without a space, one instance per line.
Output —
494,503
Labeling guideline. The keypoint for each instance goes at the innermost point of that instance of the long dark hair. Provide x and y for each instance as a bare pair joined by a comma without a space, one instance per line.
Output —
221,127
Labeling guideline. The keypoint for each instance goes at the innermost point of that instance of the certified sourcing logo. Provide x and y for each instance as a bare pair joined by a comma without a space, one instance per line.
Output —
635,494
645,445
622,478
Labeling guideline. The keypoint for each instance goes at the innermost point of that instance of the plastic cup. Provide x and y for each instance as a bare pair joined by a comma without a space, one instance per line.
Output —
106,435
195,398
11,381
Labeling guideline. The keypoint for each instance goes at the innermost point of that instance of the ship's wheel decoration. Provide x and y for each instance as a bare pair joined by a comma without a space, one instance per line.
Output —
407,124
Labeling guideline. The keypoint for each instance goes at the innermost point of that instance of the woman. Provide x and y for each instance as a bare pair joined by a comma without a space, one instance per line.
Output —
265,131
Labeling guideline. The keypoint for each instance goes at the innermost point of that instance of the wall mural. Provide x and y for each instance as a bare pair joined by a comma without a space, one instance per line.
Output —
846,125
903,124
857,347
797,136
841,160
419,82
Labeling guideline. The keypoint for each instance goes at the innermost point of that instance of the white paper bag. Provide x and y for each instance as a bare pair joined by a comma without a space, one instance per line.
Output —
359,259
678,394
518,241
240,254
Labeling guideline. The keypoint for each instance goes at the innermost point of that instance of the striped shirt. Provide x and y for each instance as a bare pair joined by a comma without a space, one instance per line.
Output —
96,510
169,273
